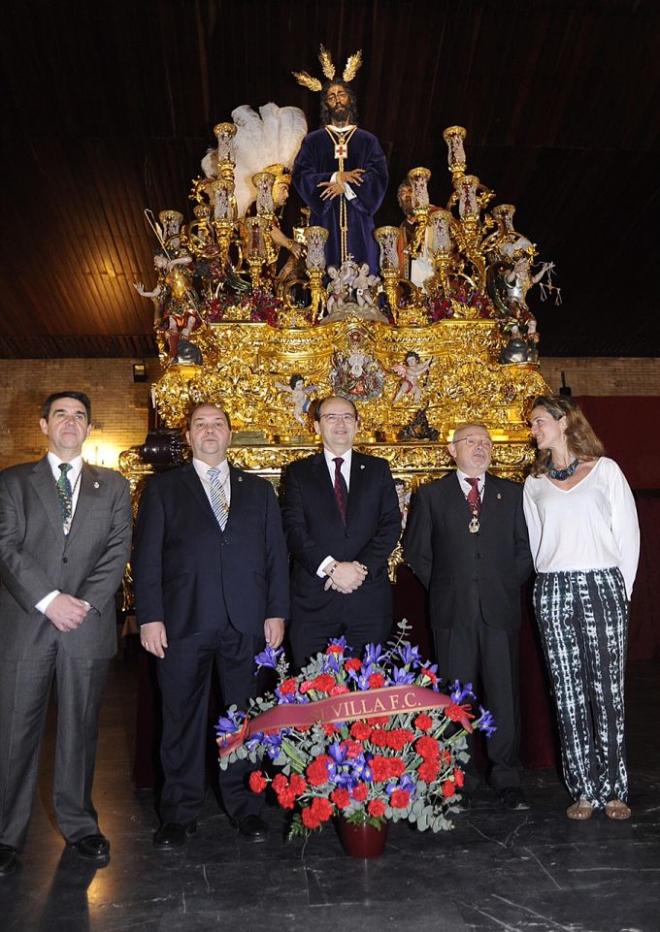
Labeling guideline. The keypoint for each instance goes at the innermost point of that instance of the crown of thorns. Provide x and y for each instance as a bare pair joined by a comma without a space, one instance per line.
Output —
351,68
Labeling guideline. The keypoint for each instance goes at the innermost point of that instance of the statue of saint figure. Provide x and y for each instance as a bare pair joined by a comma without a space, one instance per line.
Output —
341,174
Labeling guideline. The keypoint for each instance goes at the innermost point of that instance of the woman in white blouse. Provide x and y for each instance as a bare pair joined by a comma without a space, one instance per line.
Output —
584,536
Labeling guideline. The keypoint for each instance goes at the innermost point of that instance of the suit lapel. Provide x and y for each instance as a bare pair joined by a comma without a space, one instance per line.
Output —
489,507
45,487
236,494
90,488
356,486
193,484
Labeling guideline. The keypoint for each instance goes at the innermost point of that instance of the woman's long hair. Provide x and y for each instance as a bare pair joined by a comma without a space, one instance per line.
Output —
581,440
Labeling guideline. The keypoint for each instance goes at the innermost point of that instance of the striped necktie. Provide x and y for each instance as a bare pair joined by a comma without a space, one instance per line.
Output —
64,493
218,499
341,493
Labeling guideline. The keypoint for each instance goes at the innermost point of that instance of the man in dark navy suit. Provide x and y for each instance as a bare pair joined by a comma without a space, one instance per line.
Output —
342,522
466,540
211,585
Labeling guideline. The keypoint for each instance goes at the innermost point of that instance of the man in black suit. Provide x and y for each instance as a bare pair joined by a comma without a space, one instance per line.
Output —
211,584
467,542
342,522
65,533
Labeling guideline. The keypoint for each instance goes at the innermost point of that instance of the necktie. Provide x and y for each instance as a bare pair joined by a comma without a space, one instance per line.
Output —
473,497
218,499
341,492
64,493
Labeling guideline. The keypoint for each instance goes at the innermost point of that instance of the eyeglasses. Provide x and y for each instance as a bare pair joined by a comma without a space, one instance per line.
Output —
336,418
474,442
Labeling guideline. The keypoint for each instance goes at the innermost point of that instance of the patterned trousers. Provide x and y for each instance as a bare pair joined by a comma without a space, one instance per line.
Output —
583,617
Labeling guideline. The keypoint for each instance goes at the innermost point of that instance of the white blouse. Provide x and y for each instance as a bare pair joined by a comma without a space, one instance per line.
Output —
591,526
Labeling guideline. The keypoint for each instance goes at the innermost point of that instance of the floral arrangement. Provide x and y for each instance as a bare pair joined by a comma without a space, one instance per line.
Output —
368,738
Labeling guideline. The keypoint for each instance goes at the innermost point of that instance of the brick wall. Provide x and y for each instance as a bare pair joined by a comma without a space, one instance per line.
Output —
120,407
604,375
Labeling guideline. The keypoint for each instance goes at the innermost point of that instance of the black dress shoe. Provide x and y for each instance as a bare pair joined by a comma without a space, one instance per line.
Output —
173,835
8,860
251,828
92,848
513,799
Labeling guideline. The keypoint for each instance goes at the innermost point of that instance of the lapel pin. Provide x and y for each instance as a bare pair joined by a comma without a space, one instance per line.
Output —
362,466
96,485
499,497
240,478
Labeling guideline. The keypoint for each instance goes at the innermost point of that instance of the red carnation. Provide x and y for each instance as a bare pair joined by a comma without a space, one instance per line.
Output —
330,729
287,799
317,772
399,799
339,689
397,767
448,787
423,722
380,739
428,748
289,686
428,771
380,720
376,808
380,768
352,748
360,792
298,784
258,782
341,798
360,730
459,777
456,713
353,664
323,683
376,680
429,674
334,649
309,818
321,808
399,738
280,783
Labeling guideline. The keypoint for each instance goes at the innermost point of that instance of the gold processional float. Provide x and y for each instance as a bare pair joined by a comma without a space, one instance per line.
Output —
442,336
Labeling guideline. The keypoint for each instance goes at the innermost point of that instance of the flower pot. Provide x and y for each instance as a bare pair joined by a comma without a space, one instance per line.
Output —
362,841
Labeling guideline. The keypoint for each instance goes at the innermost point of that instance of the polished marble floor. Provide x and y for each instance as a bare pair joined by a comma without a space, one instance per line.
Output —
533,871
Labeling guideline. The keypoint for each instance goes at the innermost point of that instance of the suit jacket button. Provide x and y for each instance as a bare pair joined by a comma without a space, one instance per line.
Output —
65,559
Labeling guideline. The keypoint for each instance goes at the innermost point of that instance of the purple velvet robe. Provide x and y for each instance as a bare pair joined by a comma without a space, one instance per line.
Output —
316,162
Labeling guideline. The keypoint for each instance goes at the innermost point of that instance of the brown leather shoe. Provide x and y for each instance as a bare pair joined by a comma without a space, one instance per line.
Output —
618,810
580,810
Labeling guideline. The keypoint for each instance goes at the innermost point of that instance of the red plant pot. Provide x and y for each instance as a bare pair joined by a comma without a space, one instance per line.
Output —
362,841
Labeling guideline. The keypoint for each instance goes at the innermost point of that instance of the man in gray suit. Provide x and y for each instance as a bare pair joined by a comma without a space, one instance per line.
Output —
65,530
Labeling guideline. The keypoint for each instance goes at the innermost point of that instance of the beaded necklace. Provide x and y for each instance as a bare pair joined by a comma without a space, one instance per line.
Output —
562,474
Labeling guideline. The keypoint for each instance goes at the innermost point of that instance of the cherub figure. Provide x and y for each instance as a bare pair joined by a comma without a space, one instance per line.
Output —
362,283
175,304
336,289
411,372
298,396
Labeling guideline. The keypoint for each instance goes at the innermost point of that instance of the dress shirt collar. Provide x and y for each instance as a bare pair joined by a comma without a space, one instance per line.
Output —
76,466
202,468
466,486
342,129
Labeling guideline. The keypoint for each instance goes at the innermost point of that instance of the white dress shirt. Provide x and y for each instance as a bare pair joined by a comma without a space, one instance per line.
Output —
345,470
467,486
202,470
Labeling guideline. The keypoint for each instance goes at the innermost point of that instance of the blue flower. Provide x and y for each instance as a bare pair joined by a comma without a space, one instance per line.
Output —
486,722
460,694
268,658
230,723
373,653
402,677
409,655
